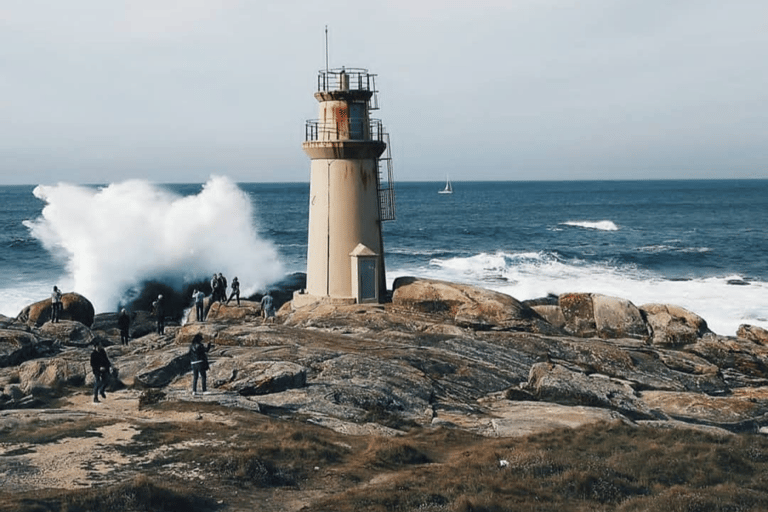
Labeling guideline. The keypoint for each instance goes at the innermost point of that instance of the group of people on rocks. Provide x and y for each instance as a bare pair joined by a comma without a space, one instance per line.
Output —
219,289
100,364
219,294
198,357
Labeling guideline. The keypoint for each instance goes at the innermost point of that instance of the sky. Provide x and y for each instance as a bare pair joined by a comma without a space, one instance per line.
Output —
174,91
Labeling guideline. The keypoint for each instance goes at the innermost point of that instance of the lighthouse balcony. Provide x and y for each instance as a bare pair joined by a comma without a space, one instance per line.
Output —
346,79
353,129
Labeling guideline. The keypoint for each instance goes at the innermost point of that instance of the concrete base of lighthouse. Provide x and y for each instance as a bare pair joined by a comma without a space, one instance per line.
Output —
364,278
303,299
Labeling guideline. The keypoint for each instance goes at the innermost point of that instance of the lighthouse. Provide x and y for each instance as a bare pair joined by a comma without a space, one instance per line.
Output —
350,193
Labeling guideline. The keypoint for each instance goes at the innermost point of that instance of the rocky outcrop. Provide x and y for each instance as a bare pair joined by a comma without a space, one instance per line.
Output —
673,325
74,307
46,376
68,332
467,306
163,368
558,384
753,333
231,313
588,314
440,354
17,346
258,377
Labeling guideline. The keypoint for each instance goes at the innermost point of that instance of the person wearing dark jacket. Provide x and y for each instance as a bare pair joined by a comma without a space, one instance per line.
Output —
100,365
124,323
235,291
198,355
157,306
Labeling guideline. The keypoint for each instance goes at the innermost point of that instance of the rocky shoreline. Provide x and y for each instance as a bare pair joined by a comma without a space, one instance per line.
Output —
439,354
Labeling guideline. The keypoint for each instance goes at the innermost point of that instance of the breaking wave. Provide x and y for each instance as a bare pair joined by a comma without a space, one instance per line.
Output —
113,238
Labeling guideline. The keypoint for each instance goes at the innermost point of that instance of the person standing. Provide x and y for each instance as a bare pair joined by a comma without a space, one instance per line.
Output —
235,291
199,297
159,310
222,287
100,365
56,305
198,355
215,288
268,306
124,323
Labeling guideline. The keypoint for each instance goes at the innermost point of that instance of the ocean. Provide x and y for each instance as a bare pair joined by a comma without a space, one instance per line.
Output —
702,245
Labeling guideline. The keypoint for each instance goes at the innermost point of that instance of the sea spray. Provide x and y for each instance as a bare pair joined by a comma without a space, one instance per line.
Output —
724,302
114,238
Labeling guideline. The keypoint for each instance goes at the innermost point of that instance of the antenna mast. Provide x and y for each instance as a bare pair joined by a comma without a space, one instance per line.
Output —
326,49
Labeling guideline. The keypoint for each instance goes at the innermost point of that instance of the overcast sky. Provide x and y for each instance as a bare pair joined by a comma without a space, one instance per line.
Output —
96,91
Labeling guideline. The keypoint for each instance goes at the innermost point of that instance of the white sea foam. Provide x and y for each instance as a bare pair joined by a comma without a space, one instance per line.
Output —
532,275
116,237
600,225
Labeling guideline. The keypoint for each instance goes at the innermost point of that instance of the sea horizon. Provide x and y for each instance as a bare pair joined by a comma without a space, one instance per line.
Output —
693,243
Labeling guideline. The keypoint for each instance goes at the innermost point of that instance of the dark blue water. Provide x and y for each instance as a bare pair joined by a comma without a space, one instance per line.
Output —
699,244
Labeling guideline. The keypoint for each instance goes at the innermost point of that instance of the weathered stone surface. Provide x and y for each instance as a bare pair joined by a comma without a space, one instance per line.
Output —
555,383
742,363
74,307
45,376
248,311
440,355
618,318
673,325
68,332
507,418
257,377
17,346
552,314
162,369
753,333
741,411
467,306
579,313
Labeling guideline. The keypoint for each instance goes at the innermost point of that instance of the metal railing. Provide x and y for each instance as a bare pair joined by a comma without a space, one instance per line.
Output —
317,130
343,79
351,79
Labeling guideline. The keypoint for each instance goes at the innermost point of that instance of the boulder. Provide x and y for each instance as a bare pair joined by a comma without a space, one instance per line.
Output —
467,306
257,377
618,318
738,412
672,325
587,315
740,362
552,313
556,383
164,368
69,332
753,333
247,311
579,314
74,307
17,346
49,376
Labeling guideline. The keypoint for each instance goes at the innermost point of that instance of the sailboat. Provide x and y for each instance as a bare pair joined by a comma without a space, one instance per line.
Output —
448,187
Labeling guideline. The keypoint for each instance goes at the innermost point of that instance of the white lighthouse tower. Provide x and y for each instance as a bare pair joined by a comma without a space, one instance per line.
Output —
348,197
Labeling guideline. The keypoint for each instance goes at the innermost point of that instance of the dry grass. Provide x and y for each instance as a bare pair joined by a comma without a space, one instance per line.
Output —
140,494
256,459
